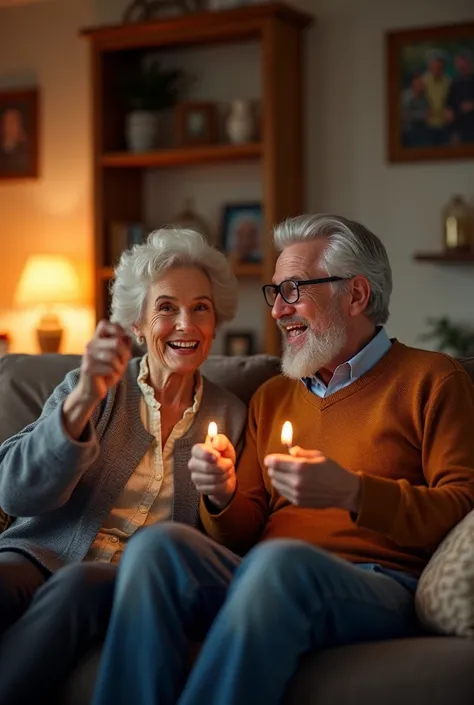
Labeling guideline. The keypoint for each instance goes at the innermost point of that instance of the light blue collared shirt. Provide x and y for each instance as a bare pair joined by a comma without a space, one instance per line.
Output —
354,368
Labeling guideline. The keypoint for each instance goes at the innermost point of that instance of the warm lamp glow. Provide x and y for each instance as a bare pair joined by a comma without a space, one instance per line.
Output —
287,434
48,279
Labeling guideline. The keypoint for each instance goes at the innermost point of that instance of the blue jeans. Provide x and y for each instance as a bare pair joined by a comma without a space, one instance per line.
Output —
258,615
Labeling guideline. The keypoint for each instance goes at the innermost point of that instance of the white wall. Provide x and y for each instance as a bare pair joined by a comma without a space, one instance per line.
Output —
347,170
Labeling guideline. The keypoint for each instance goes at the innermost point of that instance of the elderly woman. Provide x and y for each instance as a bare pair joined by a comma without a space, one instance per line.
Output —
108,456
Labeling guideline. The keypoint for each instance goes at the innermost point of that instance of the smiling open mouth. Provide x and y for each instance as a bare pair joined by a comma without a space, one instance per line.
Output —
295,330
183,344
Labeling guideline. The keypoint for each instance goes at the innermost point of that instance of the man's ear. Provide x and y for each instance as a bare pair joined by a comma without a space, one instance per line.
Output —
360,295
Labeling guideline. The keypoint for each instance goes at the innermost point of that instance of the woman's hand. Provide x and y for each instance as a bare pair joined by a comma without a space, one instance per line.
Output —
104,361
212,467
103,364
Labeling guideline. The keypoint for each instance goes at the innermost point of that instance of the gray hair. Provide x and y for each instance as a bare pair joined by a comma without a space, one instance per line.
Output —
352,249
164,249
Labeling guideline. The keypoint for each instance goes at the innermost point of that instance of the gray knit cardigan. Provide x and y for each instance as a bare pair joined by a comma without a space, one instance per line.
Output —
62,491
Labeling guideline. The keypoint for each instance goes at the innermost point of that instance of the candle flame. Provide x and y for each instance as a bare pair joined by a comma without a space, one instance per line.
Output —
212,430
287,434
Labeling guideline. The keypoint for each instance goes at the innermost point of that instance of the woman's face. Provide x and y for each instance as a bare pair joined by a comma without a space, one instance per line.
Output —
179,321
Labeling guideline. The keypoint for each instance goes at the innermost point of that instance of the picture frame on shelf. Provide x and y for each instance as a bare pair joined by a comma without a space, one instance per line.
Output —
19,134
242,232
430,93
239,343
196,123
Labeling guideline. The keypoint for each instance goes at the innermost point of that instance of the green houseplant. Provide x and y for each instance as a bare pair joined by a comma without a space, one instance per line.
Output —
148,89
454,338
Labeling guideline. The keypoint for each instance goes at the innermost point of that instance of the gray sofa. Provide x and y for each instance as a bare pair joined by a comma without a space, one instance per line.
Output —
427,670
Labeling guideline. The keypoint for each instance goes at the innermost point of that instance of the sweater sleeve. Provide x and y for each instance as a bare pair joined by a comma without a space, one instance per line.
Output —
239,525
421,516
41,465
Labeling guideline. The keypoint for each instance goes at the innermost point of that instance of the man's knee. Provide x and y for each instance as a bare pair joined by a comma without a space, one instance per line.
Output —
287,561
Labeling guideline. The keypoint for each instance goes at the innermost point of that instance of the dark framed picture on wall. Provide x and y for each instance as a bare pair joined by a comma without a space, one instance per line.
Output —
239,343
196,123
430,93
242,231
19,127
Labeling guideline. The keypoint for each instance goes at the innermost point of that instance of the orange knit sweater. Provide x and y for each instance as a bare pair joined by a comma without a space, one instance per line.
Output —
407,426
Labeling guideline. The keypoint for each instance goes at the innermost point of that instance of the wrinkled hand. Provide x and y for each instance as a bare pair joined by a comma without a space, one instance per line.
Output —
308,479
104,361
212,467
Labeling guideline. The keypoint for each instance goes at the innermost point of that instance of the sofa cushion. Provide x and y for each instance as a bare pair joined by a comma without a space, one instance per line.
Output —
426,671
445,593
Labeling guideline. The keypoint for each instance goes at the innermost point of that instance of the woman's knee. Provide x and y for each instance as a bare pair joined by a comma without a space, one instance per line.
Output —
81,581
153,540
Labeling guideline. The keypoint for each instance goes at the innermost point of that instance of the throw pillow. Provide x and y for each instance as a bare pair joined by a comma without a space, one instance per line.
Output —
445,595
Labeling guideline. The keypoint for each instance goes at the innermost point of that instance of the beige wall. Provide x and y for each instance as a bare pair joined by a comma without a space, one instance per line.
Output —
347,172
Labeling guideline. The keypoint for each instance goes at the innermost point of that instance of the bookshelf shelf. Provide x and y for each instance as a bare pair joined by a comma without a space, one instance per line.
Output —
241,269
445,257
183,156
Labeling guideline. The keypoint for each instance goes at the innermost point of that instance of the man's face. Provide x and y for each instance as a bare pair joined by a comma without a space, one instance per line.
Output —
314,329
436,67
417,85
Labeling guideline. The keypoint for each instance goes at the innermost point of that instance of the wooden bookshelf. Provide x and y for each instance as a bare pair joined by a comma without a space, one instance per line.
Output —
119,176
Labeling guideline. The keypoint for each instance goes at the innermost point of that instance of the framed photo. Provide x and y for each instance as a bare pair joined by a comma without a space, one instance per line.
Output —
239,343
430,84
196,123
19,127
242,231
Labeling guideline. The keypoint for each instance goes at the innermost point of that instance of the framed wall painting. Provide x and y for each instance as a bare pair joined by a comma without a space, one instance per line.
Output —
430,93
19,134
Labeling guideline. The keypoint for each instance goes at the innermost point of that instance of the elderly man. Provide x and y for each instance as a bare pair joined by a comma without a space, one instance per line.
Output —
345,522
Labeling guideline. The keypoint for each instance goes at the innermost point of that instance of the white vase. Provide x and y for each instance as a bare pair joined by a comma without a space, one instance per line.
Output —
240,125
142,131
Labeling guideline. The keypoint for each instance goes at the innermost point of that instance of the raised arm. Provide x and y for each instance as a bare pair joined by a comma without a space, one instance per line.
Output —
41,465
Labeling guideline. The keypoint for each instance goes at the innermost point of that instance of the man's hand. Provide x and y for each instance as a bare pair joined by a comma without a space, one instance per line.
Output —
308,479
212,469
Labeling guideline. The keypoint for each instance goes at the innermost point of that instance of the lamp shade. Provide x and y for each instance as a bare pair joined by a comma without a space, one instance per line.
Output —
48,279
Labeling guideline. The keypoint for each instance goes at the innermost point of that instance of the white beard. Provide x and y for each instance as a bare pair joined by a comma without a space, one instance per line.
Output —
319,348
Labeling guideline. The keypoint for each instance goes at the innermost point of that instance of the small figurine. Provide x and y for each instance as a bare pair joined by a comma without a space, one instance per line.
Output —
146,10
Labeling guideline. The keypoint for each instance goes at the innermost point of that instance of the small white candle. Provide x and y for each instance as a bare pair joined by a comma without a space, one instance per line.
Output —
287,435
212,431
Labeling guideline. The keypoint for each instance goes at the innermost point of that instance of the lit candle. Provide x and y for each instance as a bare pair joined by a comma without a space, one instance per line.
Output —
212,432
287,435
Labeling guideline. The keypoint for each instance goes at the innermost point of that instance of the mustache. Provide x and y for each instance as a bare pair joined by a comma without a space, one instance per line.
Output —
291,320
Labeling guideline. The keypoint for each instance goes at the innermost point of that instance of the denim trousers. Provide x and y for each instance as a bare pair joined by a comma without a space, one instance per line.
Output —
257,615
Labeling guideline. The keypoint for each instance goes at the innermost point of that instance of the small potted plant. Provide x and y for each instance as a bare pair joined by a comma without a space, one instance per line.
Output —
148,91
454,338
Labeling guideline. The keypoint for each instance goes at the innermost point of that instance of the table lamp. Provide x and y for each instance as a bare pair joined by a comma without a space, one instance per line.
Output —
47,281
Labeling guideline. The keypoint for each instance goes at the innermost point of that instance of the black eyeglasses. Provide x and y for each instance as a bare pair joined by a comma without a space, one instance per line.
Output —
289,289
